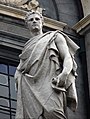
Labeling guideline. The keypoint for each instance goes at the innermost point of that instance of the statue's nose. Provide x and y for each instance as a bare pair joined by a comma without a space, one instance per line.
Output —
34,20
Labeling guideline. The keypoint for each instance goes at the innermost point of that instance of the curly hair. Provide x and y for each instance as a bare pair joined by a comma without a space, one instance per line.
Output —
33,12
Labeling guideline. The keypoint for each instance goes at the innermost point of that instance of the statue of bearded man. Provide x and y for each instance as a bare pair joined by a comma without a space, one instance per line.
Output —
45,76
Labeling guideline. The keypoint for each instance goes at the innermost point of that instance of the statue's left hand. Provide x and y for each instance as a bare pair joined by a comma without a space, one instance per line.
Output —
60,80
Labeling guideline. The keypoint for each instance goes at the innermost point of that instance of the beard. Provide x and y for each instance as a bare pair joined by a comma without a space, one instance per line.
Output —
35,28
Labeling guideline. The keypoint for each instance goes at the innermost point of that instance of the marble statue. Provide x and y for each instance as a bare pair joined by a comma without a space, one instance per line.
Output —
45,76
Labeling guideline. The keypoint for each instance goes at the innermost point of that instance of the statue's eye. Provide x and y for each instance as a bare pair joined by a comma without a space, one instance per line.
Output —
37,19
31,19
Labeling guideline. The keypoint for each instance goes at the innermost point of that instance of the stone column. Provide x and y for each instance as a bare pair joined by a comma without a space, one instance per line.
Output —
86,33
83,28
86,7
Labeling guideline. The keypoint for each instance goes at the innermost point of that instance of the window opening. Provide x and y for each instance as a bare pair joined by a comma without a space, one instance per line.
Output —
7,91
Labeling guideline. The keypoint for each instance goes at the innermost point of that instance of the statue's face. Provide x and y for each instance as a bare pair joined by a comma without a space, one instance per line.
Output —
34,23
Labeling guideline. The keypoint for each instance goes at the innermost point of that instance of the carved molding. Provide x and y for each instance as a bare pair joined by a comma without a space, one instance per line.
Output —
19,13
83,23
25,4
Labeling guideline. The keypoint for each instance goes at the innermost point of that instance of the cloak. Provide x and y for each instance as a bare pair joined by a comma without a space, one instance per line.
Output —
40,62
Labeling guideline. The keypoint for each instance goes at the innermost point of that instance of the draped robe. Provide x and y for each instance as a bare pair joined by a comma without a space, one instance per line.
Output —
37,96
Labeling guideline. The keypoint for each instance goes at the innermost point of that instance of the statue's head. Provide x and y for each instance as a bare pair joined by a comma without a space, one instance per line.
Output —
34,21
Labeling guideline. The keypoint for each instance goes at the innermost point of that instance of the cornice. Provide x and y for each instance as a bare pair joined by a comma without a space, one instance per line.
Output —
12,11
20,14
51,23
83,23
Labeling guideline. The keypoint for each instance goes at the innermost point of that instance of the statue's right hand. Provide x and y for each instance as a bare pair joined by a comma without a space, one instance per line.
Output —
16,76
17,73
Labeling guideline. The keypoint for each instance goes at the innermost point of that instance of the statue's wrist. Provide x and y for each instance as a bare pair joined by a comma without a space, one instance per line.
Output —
17,69
65,73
